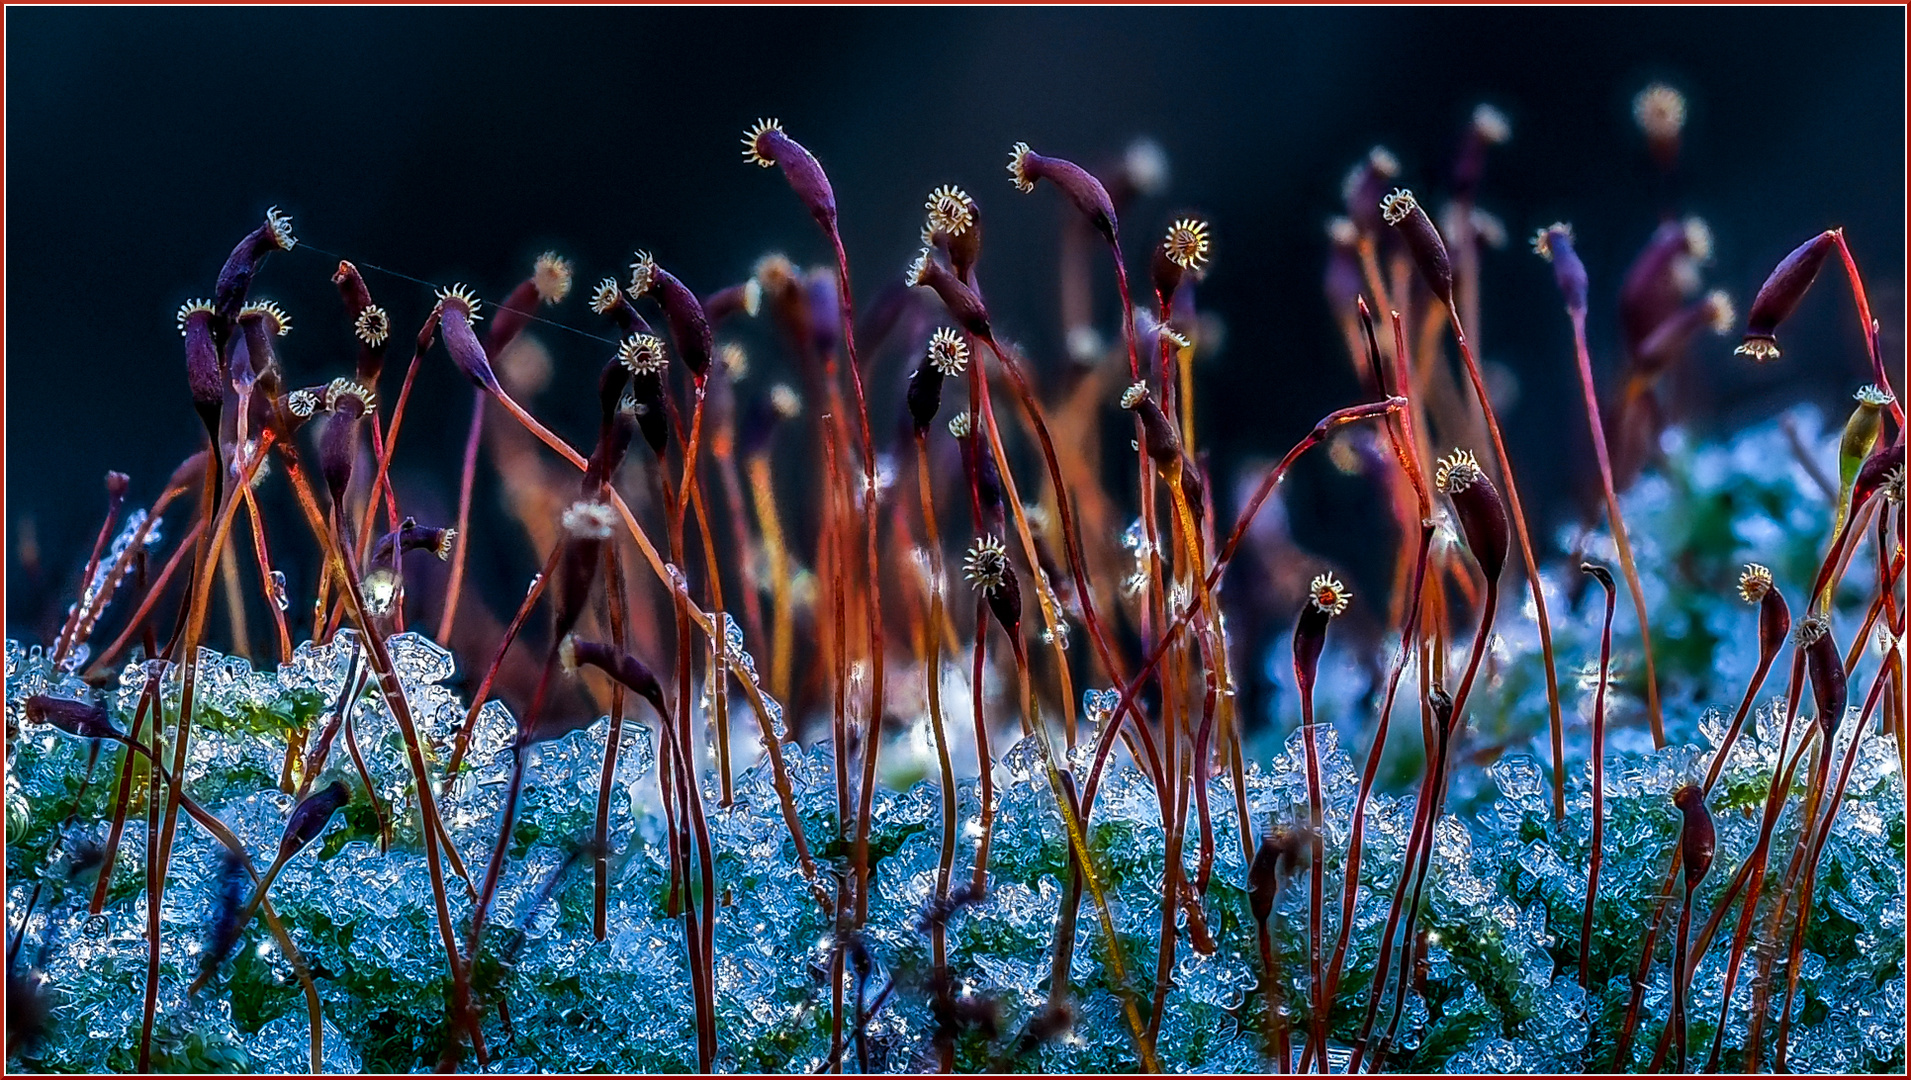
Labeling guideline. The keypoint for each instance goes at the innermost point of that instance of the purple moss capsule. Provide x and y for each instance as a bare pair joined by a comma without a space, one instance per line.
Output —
1488,127
744,298
205,366
1477,504
1661,277
1667,342
1827,671
1780,294
764,415
613,442
308,818
1697,839
1364,186
259,323
574,653
946,356
235,277
229,897
411,536
1555,244
954,224
1281,854
1429,252
1158,436
587,526
1087,193
549,283
347,402
965,307
457,310
1326,598
988,568
644,357
371,324
766,144
683,312
823,306
1181,253
81,719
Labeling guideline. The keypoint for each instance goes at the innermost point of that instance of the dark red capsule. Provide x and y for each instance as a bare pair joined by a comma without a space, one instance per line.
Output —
643,355
1326,598
1429,252
1661,277
1827,671
347,402
1477,505
1181,253
1667,342
1697,839
1780,294
743,298
1774,616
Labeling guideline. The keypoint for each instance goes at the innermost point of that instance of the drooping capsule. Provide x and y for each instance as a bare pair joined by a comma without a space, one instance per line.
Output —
766,144
308,818
1781,293
634,674
1087,193
82,719
1477,505
1429,251
965,307
1158,436
235,277
683,312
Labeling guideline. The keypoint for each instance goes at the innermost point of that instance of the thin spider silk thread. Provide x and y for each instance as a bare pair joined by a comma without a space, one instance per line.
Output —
304,244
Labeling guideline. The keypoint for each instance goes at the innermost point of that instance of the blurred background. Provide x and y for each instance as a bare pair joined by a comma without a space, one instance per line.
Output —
456,144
